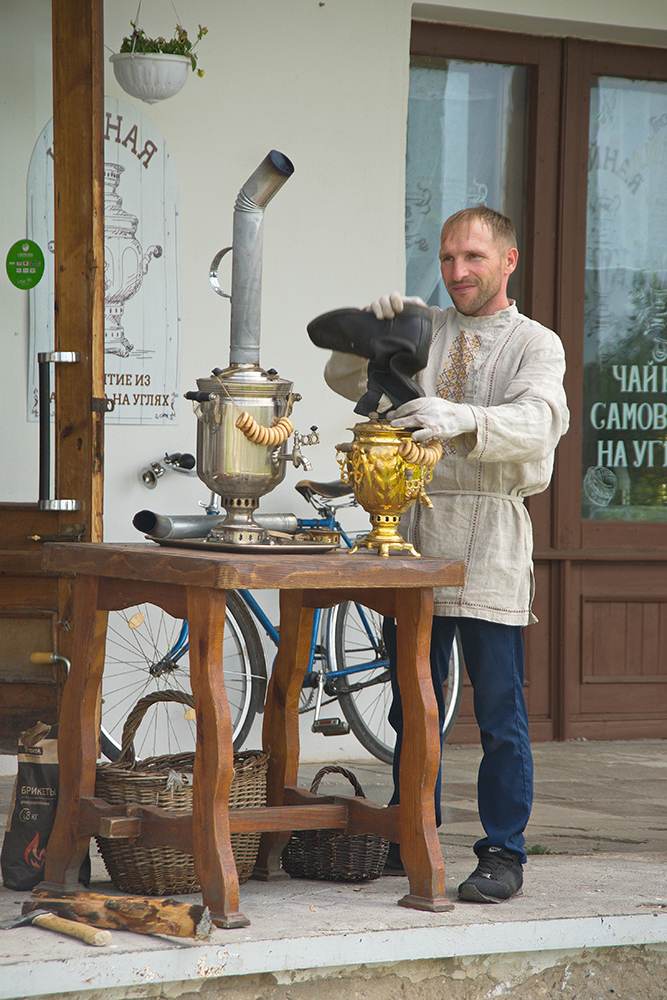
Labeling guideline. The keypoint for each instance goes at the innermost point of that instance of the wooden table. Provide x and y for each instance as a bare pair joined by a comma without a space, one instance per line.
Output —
191,583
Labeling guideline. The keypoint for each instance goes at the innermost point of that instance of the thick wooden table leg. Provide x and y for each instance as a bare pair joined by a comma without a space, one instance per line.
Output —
280,732
420,754
77,738
214,759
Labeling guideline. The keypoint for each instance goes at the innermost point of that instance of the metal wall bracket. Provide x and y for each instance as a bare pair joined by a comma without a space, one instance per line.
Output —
104,405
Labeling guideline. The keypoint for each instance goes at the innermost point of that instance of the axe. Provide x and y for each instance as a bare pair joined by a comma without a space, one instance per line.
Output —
125,913
52,922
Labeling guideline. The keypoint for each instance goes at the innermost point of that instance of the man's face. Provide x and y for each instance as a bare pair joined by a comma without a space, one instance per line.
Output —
475,270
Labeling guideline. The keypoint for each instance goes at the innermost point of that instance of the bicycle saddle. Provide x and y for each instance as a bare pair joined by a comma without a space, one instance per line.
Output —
396,349
330,491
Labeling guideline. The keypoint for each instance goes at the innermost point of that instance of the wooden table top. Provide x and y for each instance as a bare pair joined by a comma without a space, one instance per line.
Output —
154,563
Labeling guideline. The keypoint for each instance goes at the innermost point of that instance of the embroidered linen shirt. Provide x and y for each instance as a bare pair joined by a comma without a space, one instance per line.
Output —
509,370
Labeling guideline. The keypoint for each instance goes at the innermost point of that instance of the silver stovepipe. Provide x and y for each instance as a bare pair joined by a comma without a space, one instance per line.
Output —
248,237
240,463
155,525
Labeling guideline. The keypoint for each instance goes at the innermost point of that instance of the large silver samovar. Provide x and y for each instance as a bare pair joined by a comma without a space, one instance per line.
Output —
243,411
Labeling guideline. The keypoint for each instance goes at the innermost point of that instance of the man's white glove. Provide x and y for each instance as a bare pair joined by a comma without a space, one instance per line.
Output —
389,306
434,418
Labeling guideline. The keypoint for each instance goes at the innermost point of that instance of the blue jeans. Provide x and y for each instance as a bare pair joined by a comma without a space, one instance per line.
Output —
493,656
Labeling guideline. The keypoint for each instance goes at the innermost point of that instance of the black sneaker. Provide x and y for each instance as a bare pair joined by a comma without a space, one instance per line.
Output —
498,876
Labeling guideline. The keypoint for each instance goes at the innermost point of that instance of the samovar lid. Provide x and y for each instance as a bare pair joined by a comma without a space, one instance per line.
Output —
244,377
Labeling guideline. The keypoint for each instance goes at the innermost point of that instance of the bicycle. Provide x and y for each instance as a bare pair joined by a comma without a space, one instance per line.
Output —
147,650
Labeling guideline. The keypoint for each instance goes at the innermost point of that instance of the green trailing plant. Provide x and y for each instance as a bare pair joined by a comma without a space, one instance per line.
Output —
179,45
541,849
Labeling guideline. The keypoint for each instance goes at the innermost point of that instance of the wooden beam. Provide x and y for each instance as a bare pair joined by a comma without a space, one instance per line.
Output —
78,103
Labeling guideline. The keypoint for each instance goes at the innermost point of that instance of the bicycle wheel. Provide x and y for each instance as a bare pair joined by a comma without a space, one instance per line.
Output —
354,639
147,650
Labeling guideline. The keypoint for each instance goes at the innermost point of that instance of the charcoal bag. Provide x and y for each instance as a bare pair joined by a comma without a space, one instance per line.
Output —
32,810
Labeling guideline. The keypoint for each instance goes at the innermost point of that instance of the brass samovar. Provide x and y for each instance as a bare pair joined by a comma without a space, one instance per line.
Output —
385,468
388,472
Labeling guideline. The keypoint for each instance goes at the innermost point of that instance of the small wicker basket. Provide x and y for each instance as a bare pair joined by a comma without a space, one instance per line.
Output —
332,855
167,782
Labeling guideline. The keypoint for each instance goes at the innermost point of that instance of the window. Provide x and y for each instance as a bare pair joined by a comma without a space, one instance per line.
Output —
466,146
625,316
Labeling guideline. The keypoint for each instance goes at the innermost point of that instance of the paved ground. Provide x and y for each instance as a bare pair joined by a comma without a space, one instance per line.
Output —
596,879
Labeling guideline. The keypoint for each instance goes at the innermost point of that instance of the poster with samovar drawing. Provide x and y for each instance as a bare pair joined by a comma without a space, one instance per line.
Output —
141,297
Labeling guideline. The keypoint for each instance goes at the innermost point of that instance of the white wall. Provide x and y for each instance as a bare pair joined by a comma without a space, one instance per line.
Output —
325,83
327,86
301,78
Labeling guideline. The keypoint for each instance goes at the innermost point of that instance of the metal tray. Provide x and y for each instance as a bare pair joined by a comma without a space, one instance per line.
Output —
287,548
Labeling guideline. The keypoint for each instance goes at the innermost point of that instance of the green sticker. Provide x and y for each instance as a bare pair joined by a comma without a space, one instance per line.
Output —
25,264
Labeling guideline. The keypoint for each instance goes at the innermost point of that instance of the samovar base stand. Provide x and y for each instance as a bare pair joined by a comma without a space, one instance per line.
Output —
384,536
239,527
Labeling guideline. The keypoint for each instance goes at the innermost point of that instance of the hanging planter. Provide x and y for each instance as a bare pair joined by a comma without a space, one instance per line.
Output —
153,69
150,76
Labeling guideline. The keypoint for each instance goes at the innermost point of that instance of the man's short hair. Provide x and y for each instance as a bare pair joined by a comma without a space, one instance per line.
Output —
502,228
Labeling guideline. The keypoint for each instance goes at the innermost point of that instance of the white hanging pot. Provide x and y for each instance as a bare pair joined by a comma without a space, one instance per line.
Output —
150,76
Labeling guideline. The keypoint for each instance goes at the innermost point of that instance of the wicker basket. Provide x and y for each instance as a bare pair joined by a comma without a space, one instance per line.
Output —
331,855
167,782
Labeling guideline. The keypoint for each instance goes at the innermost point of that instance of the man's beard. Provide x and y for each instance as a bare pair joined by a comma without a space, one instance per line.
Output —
483,295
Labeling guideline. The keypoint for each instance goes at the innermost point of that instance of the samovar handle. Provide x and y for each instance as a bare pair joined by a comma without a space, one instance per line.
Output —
213,273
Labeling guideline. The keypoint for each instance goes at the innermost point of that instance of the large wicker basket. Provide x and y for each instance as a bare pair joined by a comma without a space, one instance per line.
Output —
167,782
332,855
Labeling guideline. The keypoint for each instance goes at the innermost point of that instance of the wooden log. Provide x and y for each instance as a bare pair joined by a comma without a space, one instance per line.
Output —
124,913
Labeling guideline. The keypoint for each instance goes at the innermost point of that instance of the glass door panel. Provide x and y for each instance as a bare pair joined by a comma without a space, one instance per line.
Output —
467,127
625,324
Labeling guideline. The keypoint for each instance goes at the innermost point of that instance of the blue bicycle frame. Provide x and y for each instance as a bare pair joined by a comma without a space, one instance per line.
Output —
317,652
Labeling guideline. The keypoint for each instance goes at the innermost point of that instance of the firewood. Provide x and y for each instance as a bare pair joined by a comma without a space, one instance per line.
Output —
125,913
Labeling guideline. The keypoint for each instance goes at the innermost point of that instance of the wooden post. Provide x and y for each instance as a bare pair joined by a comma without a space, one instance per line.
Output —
78,103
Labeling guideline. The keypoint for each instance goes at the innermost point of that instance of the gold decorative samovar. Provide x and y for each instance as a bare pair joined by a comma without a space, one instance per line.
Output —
388,472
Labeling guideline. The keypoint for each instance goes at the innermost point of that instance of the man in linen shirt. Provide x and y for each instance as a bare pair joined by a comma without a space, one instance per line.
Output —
494,397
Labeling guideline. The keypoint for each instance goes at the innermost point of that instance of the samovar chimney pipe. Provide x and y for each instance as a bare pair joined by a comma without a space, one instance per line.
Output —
251,201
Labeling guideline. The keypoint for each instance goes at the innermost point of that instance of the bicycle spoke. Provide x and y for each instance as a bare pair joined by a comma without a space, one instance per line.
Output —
147,651
354,637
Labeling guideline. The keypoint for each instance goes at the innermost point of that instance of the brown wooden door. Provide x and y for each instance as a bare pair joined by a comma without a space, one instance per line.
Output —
597,660
611,531
35,609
